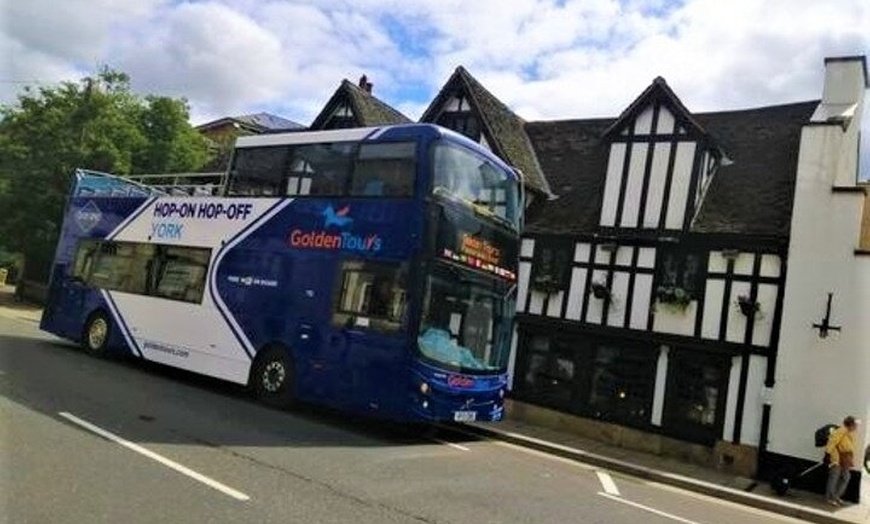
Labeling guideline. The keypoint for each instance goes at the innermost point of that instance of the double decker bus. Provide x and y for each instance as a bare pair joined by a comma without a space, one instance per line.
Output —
372,270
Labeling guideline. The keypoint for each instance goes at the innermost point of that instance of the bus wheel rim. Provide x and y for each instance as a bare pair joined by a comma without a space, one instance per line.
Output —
97,333
274,376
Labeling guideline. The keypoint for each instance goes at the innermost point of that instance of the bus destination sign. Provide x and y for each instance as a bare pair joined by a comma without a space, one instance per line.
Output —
476,245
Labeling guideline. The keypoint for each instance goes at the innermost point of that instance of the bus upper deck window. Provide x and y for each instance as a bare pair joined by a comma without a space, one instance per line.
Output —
384,170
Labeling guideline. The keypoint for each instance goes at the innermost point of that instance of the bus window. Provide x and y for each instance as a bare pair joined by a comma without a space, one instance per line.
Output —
122,266
320,169
466,322
384,170
84,260
371,295
181,275
463,175
258,171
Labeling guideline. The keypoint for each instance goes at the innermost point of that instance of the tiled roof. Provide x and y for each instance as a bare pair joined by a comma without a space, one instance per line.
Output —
257,123
505,130
752,195
574,158
368,109
269,122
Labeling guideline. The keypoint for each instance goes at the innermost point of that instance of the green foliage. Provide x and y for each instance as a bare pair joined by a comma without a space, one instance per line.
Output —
98,124
676,298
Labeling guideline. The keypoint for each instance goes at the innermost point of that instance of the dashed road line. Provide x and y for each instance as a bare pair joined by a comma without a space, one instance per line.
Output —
607,483
451,444
223,488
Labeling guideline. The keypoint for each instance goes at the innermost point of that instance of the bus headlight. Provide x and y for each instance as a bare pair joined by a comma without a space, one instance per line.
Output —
424,388
425,404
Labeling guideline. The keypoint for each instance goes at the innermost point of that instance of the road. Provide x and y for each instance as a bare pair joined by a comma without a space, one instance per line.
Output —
84,440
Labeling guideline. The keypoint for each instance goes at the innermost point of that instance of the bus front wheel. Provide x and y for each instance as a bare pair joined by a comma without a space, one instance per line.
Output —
272,376
95,338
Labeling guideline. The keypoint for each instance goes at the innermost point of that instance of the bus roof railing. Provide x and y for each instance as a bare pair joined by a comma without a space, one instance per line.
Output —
183,184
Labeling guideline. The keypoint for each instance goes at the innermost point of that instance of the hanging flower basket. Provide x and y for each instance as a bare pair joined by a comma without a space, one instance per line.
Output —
600,291
673,296
750,308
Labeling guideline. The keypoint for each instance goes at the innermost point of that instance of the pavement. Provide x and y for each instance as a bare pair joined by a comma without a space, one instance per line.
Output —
654,468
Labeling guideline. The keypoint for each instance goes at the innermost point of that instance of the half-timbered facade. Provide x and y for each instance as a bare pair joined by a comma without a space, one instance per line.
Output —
675,267
652,284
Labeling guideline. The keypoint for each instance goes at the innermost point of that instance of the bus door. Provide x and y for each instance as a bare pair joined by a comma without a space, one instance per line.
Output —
312,288
369,332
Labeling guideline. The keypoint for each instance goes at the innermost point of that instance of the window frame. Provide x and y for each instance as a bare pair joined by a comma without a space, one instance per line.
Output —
552,261
690,286
583,351
153,264
396,273
679,376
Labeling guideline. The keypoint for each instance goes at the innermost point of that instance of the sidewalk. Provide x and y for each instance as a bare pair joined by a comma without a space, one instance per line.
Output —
707,481
11,308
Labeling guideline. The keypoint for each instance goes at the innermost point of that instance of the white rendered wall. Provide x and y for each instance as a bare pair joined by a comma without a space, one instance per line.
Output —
820,380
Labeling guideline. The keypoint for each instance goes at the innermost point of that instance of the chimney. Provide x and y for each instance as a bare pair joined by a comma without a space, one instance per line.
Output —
840,112
365,85
845,82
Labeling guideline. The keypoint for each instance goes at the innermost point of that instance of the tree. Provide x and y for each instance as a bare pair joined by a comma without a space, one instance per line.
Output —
97,123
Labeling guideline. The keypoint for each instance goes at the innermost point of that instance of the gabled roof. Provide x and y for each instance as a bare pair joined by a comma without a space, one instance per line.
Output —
659,91
368,109
503,129
752,194
257,123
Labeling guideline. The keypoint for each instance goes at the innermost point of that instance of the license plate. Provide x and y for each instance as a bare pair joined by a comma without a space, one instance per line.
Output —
464,416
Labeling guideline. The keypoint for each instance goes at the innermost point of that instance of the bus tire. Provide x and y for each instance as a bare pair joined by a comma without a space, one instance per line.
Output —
273,376
95,336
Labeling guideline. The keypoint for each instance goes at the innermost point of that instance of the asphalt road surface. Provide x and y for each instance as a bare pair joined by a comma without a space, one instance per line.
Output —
84,440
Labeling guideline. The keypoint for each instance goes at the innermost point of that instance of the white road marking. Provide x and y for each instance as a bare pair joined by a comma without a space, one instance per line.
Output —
607,483
451,444
646,508
238,495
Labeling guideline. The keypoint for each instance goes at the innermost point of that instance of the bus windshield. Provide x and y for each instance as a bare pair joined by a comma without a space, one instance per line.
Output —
461,174
466,321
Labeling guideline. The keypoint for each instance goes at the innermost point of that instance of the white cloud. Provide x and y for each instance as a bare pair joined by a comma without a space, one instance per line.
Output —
544,58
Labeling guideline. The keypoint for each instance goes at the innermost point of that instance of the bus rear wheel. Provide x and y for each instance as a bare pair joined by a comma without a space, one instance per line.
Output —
95,338
273,376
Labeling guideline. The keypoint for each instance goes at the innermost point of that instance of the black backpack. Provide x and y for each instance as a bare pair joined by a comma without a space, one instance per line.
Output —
823,433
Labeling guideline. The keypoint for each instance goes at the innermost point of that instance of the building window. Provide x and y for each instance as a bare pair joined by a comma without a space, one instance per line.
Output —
695,395
463,122
680,275
621,384
550,370
342,118
551,265
606,381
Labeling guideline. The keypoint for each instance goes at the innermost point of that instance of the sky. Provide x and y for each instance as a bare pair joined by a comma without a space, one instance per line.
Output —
546,59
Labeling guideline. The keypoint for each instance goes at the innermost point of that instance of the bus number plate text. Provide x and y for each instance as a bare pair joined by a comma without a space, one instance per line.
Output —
464,416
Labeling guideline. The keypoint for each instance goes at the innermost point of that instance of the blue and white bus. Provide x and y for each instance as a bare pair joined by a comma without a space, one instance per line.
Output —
373,270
